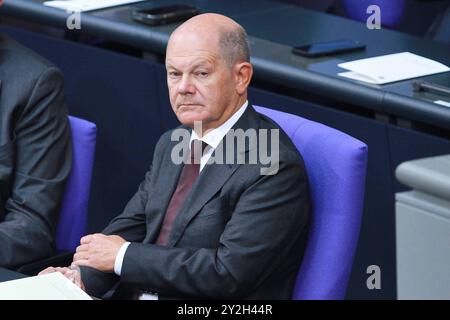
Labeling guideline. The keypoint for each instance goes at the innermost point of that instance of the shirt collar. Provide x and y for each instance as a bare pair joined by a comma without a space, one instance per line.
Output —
215,136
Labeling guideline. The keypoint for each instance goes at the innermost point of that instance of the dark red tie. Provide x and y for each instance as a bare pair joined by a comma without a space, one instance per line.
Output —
187,179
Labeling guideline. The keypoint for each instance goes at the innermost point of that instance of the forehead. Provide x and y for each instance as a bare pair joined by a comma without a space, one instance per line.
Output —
191,61
186,47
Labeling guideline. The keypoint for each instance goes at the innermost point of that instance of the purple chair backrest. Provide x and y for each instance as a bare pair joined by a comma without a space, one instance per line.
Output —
336,167
74,209
391,11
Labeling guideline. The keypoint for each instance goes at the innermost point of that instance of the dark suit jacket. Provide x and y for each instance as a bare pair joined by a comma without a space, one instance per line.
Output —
239,234
35,153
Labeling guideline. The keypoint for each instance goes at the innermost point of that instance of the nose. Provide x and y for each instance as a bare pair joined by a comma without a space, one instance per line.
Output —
185,86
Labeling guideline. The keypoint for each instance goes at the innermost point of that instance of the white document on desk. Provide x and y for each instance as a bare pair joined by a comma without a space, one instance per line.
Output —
391,68
51,286
86,5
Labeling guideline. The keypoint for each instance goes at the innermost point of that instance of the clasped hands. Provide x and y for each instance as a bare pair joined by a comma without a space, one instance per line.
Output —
97,251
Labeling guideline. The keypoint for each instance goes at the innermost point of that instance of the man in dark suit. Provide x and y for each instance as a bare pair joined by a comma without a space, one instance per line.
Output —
35,153
206,230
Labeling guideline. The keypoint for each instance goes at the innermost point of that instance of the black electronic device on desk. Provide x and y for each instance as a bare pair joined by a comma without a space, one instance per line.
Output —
320,49
164,14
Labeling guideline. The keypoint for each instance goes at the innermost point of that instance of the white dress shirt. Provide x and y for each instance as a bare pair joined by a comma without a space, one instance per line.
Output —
215,136
213,139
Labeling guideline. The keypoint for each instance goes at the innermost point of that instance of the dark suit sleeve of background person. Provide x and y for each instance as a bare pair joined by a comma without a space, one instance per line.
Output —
261,244
38,161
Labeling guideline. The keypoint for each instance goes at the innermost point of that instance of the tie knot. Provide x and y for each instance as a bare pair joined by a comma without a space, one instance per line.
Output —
196,152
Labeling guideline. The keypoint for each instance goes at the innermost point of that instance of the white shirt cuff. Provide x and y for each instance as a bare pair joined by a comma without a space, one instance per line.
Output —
119,258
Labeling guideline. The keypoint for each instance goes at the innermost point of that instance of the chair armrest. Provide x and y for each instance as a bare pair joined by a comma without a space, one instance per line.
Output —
62,259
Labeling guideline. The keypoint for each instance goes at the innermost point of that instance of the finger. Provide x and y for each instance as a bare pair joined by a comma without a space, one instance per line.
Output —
86,239
83,255
74,267
84,263
76,275
60,270
63,270
47,270
77,279
69,275
82,247
78,282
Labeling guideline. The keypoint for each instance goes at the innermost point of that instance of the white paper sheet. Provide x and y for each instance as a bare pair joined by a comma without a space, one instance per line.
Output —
391,68
51,286
86,5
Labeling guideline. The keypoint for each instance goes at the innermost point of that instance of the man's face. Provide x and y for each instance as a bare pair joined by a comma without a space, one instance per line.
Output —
201,83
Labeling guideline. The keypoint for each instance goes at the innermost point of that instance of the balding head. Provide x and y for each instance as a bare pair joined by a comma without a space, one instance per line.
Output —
230,37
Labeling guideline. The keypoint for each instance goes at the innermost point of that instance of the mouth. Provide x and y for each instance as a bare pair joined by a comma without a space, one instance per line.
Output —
187,105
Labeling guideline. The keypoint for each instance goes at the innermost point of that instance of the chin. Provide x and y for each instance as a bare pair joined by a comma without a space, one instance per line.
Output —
189,115
188,120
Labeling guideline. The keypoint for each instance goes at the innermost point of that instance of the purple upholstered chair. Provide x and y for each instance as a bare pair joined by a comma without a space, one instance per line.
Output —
391,10
73,216
336,167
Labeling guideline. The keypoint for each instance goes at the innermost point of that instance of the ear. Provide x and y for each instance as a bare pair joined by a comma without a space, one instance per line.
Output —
243,74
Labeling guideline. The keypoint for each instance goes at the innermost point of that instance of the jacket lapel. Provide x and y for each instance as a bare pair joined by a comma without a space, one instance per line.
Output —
206,186
211,179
